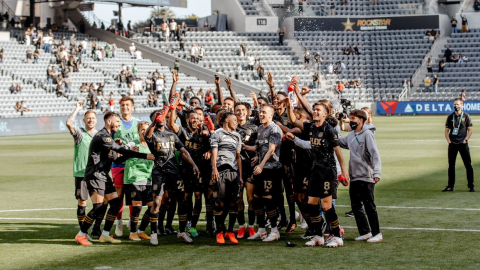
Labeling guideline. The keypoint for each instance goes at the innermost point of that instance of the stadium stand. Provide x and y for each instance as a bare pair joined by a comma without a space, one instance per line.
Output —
365,7
250,7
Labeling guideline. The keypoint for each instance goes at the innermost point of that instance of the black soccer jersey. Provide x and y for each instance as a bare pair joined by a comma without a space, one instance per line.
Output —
286,150
162,145
323,139
249,137
101,154
196,144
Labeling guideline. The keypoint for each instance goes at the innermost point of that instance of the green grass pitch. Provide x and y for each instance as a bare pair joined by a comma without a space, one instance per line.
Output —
423,228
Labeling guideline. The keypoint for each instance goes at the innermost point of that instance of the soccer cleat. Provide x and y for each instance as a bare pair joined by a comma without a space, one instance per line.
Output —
291,228
193,232
308,234
335,242
170,230
364,237
96,232
154,239
273,236
108,239
185,237
231,238
258,236
119,228
251,231
161,231
241,232
315,241
282,224
220,239
349,214
82,240
376,238
471,190
143,235
448,189
134,237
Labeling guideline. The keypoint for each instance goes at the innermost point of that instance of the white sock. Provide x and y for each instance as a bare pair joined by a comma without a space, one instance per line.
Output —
139,232
131,233
241,226
118,221
262,230
275,230
106,233
81,233
250,226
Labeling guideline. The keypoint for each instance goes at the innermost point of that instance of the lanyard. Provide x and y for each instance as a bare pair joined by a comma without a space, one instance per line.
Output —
459,122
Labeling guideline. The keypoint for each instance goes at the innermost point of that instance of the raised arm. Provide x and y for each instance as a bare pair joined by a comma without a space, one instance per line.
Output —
303,101
71,118
229,86
151,128
219,89
171,122
175,77
291,115
269,81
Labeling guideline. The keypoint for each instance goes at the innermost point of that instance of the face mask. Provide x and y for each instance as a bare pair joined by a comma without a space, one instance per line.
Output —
353,125
457,108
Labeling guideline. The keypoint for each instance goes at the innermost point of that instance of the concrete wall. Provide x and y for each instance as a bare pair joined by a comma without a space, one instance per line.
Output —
238,21
276,2
251,24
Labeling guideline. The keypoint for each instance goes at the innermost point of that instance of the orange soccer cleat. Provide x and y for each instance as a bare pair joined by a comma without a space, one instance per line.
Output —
231,238
241,232
220,239
82,240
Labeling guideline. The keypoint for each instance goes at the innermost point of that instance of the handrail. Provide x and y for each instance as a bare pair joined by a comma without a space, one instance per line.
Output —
404,93
10,11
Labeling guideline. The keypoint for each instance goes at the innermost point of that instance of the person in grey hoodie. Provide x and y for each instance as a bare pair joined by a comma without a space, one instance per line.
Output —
365,169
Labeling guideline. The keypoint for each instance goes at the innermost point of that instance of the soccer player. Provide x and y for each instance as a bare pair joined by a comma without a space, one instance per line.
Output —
226,144
268,174
102,151
162,143
248,132
197,144
127,133
82,138
138,186
323,142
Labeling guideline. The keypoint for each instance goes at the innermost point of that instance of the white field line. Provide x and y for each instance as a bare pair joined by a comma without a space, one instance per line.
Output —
203,222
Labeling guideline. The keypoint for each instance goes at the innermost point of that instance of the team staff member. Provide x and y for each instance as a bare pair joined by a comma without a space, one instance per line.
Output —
458,130
138,186
226,144
82,138
162,143
364,168
100,186
127,132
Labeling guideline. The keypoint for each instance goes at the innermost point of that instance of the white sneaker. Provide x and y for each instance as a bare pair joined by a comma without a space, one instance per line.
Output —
315,241
376,238
129,224
119,228
335,242
364,237
185,236
154,239
258,236
272,237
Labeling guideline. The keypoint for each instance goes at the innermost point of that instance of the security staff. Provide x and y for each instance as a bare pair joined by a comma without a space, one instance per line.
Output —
458,130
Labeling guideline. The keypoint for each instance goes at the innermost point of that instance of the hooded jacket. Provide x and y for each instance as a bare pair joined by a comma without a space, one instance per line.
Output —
365,163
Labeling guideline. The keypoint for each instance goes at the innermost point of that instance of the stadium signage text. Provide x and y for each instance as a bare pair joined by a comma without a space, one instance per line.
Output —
424,107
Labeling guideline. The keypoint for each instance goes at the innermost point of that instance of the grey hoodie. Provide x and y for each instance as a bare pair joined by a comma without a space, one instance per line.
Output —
365,163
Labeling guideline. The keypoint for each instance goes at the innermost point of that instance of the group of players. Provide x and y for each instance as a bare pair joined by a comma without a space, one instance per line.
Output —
182,156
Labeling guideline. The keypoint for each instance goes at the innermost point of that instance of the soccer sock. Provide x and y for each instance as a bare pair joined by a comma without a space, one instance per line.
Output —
232,217
271,209
172,206
120,212
161,215
291,208
259,211
100,215
196,212
153,222
331,216
241,213
281,207
251,217
182,216
81,214
134,218
87,223
189,207
316,219
112,213
145,220
219,221
209,211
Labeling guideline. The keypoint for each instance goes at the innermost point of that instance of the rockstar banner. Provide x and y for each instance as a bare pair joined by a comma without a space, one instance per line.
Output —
367,24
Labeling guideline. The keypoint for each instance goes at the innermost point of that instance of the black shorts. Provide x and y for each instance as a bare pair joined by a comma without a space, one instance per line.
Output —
301,174
81,191
322,182
269,182
101,187
138,193
227,189
193,183
173,183
247,172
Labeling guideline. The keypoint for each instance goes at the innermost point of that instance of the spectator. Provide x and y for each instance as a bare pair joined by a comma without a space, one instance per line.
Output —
121,30
209,99
60,86
173,27
36,56
374,2
243,49
176,65
29,57
2,57
343,68
454,58
435,83
132,49
340,86
332,8
430,64
71,64
346,51
427,81
357,50
68,84
424,6
100,99
137,87
257,60
149,82
281,34
405,83
138,54
464,24
315,80
23,108
463,95
84,45
184,28
13,89
111,102
193,53
152,99
78,64
160,83
351,50
200,96
465,58
182,44
448,54
434,33
300,7
306,57
201,53
344,3
359,83
454,22
251,61
441,65
72,38
108,50
330,68
134,71
260,72
18,107
238,71
460,58
99,55
91,99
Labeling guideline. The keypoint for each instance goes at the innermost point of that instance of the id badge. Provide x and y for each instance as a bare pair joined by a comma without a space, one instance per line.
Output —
455,131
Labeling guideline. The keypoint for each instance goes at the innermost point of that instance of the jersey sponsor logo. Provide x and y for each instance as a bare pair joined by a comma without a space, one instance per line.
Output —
133,194
192,146
155,187
316,141
165,145
228,139
108,139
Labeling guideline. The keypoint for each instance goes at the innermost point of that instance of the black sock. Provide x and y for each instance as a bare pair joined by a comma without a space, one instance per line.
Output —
271,209
182,216
153,222
332,218
81,214
209,212
291,208
134,218
189,207
232,217
241,217
145,220
171,213
251,217
100,215
259,212
197,209
218,213
87,223
280,201
112,213
316,219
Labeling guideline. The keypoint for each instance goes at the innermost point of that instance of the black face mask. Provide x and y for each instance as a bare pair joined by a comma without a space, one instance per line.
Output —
457,108
353,125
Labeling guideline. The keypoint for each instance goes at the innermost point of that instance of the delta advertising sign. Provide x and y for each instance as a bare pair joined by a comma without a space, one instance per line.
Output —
424,107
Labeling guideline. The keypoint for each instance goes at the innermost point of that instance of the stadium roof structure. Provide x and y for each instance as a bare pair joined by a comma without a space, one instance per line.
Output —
145,3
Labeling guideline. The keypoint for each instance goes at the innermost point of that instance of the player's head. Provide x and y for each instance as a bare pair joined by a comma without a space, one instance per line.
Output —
278,100
228,104
195,102
193,120
112,121
329,105
300,113
215,108
320,111
229,120
142,127
266,114
241,111
262,101
90,119
126,105
369,113
458,104
357,118
220,114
